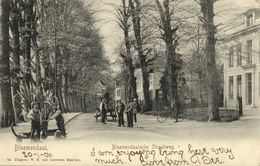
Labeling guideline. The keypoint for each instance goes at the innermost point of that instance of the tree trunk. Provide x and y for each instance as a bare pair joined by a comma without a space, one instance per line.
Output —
85,102
82,103
5,84
135,12
126,89
34,35
38,66
70,103
74,102
66,95
173,65
146,85
123,17
131,69
16,60
207,8
78,102
66,79
59,93
132,80
74,108
28,24
58,78
47,71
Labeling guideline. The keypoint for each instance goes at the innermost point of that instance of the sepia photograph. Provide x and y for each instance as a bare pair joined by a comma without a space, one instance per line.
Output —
130,83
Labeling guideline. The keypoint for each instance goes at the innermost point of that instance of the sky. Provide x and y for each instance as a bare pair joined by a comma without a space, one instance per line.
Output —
111,33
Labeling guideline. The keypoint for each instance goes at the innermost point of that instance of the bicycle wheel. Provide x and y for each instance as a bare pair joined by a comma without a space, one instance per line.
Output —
162,116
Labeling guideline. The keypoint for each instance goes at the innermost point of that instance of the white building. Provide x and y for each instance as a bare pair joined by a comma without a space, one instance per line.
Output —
156,72
154,83
242,67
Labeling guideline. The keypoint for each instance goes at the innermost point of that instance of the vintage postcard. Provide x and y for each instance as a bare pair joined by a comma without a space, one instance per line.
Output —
130,82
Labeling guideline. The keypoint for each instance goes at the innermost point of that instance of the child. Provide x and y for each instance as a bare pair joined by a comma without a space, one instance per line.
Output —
57,114
35,116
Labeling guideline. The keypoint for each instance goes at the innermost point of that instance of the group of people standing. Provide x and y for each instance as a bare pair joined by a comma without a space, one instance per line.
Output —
130,110
40,117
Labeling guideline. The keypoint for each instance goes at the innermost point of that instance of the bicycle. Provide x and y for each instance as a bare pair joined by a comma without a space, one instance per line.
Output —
166,113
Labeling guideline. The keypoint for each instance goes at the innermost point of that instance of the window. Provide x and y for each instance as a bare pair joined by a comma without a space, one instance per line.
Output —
139,95
231,95
231,56
150,79
249,88
151,94
239,55
239,86
138,84
118,93
249,20
249,51
259,84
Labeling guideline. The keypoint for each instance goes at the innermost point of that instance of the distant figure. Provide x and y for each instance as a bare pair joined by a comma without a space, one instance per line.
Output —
135,107
120,108
129,114
106,96
102,108
35,116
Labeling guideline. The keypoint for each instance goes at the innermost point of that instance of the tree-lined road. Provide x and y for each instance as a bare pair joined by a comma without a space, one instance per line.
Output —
84,134
86,128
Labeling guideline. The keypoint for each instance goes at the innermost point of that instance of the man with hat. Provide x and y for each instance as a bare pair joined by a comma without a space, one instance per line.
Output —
103,109
120,108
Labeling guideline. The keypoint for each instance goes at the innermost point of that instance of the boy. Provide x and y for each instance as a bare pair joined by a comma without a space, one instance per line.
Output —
35,116
57,114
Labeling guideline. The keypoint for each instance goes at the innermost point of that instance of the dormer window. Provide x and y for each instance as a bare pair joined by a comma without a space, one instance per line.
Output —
249,20
231,57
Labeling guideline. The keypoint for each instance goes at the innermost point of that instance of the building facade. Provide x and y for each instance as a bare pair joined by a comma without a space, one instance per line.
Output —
155,74
242,63
154,81
196,92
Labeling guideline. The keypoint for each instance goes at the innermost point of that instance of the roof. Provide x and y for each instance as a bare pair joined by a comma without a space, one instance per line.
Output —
239,29
240,33
251,10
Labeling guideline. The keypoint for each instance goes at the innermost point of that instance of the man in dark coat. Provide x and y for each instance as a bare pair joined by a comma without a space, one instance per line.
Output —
120,108
129,114
102,108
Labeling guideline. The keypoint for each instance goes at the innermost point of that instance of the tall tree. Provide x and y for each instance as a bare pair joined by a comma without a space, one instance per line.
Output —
15,19
29,5
169,36
135,10
5,84
207,9
123,16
